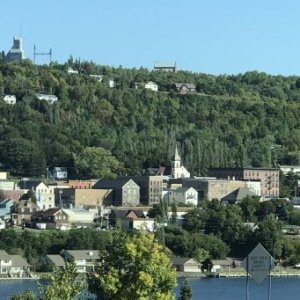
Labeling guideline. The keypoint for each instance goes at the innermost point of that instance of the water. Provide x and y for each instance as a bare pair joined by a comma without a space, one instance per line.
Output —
203,289
235,289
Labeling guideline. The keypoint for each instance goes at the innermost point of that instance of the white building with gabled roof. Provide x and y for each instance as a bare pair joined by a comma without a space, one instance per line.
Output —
178,170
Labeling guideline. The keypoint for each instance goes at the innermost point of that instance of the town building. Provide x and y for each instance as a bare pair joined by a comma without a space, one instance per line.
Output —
125,191
78,198
185,195
269,177
151,188
16,53
52,218
6,208
44,194
10,99
185,88
237,196
131,219
3,175
165,66
178,170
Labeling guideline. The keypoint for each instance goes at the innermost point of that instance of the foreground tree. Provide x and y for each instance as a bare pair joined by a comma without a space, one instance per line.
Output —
185,291
63,284
27,295
134,267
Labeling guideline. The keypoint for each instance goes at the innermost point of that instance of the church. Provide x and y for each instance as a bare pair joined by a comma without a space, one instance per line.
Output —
178,170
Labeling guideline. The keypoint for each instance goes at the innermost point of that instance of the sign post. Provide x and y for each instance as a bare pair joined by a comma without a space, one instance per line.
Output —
259,263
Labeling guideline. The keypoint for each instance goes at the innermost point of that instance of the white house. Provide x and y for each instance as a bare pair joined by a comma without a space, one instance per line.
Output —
49,98
13,266
10,99
111,83
150,85
85,260
186,195
80,217
60,173
290,169
44,194
97,77
2,224
72,71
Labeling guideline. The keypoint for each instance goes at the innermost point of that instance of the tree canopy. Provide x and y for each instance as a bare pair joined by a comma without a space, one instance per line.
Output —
134,266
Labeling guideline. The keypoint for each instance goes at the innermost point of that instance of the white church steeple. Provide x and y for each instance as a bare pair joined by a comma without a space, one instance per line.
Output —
178,170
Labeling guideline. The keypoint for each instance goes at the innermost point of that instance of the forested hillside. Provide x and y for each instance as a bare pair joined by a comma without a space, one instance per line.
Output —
249,119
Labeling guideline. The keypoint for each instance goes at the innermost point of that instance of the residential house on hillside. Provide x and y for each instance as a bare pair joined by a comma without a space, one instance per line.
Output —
111,83
85,260
44,194
131,219
54,261
59,173
186,264
185,88
97,77
52,218
10,99
289,170
13,266
165,66
48,98
125,191
23,211
150,85
71,71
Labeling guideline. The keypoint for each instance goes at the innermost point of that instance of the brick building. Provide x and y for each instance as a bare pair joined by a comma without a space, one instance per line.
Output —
269,177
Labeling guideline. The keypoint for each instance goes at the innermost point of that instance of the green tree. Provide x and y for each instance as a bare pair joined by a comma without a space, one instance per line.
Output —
185,291
97,162
64,284
134,266
27,295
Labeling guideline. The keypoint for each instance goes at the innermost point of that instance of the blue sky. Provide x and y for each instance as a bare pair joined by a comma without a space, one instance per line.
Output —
207,36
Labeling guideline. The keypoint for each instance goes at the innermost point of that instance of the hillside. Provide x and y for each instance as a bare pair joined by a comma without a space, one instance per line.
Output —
249,119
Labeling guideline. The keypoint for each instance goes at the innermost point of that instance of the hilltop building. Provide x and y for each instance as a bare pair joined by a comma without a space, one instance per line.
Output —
166,67
16,53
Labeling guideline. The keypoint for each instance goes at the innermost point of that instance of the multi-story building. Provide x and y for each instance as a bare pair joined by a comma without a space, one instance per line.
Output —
125,191
44,194
76,198
269,177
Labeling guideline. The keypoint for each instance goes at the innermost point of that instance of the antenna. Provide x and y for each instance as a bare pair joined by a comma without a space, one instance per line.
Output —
35,54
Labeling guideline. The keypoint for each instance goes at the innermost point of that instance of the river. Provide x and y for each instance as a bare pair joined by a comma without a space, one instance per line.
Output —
203,289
